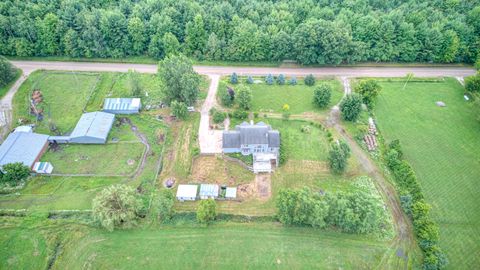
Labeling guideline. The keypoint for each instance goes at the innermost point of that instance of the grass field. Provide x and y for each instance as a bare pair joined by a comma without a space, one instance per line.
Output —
271,98
58,193
65,94
442,145
225,245
108,159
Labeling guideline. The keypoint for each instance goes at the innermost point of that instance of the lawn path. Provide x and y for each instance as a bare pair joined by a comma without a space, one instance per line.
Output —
404,239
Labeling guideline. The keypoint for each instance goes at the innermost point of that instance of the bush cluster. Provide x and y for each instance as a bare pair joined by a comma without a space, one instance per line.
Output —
414,205
14,173
240,114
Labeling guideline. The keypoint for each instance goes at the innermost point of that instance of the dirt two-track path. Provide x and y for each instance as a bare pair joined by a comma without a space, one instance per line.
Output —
209,139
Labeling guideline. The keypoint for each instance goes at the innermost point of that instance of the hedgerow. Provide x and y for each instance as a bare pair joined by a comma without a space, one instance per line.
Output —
414,205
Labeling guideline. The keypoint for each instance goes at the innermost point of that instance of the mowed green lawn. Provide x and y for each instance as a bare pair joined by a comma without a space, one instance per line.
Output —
107,159
222,246
301,145
271,98
298,97
65,94
443,146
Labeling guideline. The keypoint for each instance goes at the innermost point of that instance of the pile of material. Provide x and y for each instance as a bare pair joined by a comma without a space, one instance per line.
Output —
34,101
372,129
371,142
371,139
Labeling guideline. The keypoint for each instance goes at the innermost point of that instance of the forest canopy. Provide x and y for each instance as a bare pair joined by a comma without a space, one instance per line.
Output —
309,31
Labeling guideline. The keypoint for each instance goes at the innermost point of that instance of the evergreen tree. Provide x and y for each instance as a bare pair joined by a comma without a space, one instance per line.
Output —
322,95
350,107
309,80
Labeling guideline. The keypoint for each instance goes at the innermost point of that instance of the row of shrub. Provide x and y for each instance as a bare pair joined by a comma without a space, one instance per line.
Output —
359,211
270,79
414,205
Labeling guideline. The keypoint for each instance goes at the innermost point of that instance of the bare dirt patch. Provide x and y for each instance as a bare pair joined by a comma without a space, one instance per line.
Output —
261,188
263,183
215,169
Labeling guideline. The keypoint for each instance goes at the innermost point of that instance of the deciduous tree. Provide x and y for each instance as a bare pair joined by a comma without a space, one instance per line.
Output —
206,211
116,207
181,81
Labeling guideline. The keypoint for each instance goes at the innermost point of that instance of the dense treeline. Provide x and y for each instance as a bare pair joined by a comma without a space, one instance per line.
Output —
360,210
309,31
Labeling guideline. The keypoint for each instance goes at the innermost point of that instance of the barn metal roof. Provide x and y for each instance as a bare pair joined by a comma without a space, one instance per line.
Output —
122,104
208,190
231,192
187,191
22,147
94,124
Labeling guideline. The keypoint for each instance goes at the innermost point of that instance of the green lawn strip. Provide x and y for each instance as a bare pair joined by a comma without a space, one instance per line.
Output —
4,89
441,144
107,159
57,193
271,98
64,97
227,245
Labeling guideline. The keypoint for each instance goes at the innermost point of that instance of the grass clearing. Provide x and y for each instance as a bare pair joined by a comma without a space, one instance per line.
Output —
65,95
271,98
442,146
57,193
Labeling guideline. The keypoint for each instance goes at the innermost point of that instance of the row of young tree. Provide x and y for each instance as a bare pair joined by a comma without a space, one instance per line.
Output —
309,31
121,207
359,211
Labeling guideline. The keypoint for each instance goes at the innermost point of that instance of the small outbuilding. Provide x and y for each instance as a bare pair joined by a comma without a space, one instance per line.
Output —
231,193
92,128
28,129
122,105
208,191
43,167
23,147
187,192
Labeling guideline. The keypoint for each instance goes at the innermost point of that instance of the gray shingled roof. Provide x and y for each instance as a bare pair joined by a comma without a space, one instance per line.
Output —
245,133
253,134
94,124
22,147
273,138
231,139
